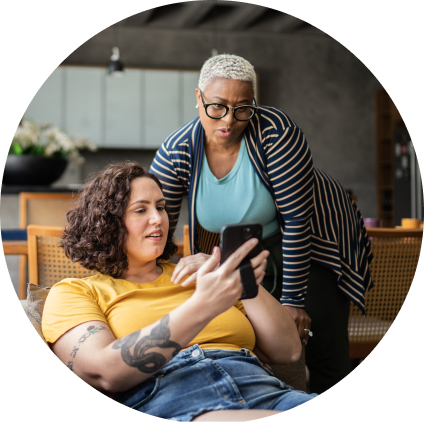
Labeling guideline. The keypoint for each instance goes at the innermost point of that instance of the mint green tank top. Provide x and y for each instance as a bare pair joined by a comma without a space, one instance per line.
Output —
238,197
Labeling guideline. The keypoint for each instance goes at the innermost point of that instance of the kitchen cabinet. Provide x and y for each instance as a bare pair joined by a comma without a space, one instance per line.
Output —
138,110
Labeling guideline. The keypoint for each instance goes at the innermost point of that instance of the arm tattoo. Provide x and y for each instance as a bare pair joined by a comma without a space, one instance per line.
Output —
147,362
92,329
74,352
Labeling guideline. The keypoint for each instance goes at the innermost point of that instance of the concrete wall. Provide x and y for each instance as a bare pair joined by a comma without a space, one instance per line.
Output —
321,85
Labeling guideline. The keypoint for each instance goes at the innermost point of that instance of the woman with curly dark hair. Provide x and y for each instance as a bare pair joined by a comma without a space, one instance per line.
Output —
96,232
178,351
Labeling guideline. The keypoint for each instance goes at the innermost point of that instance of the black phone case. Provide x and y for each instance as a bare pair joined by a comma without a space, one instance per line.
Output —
233,236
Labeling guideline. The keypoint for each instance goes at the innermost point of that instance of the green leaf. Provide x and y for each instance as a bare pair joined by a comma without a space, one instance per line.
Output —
16,149
59,154
39,151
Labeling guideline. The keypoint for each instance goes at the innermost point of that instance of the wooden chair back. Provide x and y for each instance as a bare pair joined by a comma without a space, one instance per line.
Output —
44,208
396,253
186,248
47,261
41,209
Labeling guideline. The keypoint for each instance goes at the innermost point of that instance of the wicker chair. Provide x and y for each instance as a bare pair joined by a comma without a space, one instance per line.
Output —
41,209
47,261
396,253
186,248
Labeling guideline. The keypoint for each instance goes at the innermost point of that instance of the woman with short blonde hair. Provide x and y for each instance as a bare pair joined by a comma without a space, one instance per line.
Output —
239,162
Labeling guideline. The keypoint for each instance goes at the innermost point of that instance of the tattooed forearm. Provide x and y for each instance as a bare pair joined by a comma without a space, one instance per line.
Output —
71,365
147,362
74,352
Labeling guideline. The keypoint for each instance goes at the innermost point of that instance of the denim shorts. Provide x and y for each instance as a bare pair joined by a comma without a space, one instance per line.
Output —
198,381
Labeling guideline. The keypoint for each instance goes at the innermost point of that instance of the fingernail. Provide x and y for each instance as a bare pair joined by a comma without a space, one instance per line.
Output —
215,249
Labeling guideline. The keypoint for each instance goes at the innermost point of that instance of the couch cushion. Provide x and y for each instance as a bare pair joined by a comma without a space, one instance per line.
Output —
36,297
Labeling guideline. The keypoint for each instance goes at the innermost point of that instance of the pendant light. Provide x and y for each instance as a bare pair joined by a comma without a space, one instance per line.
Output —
115,66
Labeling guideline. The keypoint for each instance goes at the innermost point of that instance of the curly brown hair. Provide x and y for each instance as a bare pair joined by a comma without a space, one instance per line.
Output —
96,234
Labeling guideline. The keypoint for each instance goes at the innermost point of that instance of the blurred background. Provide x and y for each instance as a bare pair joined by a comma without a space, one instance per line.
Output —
128,87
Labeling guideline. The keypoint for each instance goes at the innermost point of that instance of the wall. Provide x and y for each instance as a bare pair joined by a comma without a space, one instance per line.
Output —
322,86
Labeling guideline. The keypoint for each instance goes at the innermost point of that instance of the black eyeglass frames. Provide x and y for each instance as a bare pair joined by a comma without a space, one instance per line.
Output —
218,110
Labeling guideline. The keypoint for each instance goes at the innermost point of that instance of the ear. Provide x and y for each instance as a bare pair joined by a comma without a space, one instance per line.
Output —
199,99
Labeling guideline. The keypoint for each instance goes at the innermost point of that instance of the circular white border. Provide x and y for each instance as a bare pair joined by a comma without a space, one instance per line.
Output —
38,35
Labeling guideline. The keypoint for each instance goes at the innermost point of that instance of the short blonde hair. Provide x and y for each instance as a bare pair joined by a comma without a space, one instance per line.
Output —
227,66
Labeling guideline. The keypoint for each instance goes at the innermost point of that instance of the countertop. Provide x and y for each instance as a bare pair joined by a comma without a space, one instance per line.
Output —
16,189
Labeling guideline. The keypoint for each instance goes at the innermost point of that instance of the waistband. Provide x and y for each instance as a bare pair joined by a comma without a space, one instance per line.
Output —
183,359
195,354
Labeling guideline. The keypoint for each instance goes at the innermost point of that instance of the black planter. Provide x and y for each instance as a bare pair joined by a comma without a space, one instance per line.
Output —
33,170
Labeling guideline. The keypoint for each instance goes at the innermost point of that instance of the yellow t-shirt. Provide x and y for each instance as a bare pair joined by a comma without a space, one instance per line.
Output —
127,307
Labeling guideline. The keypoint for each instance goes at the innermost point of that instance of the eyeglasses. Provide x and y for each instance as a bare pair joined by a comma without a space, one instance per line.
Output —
218,111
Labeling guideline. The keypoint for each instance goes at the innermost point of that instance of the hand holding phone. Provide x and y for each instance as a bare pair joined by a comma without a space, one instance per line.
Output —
232,237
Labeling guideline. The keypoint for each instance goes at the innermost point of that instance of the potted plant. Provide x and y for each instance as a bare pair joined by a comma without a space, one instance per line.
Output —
39,154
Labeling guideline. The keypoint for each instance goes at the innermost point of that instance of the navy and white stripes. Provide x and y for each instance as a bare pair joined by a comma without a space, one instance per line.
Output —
318,221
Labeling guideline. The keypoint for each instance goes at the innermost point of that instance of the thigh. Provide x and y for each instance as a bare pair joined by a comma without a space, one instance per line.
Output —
327,352
324,299
185,393
214,383
259,388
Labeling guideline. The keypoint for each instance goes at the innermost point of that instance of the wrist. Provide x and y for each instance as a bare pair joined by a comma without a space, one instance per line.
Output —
198,310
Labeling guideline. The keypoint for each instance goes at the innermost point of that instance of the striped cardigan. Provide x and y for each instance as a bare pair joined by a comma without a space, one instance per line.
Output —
317,218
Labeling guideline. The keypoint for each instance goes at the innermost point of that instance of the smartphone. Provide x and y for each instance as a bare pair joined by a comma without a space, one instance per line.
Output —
233,236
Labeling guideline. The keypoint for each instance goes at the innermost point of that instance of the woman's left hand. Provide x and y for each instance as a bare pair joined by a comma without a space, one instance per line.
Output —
302,321
188,266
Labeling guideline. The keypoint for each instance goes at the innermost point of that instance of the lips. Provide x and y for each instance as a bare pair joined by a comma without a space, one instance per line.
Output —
155,235
225,132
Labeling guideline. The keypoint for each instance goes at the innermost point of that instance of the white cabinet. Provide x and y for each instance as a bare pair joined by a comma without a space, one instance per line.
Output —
46,106
163,106
124,110
138,110
84,88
